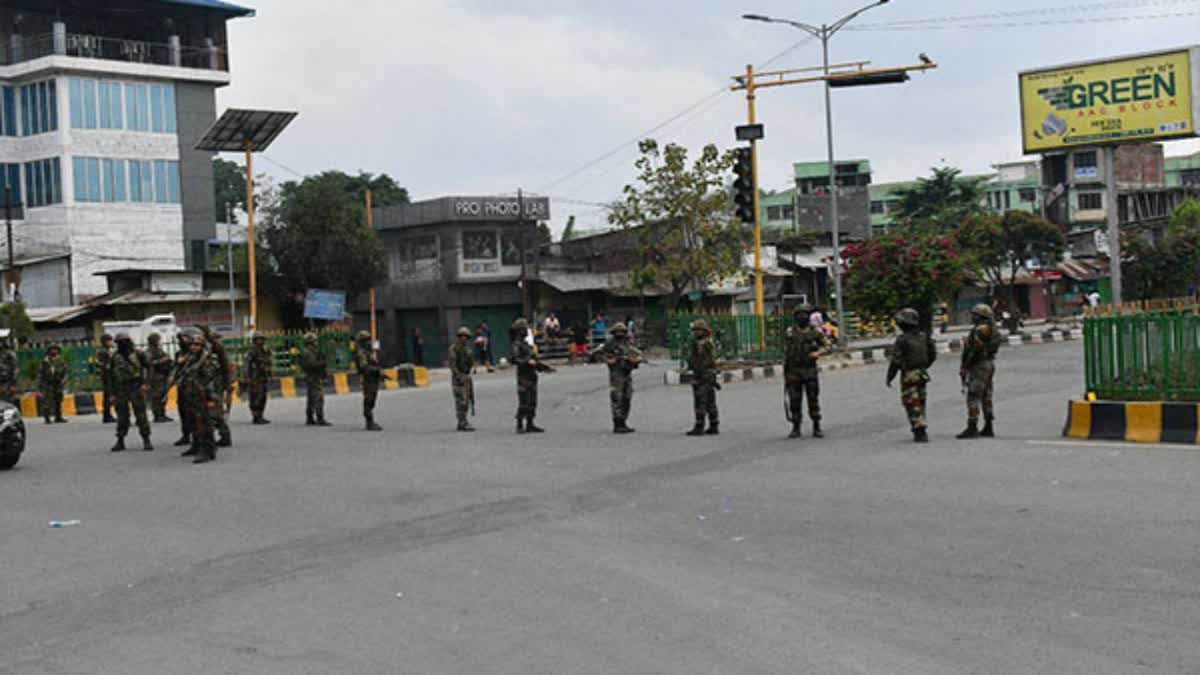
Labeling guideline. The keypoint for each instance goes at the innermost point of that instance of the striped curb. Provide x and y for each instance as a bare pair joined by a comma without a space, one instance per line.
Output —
1133,421
90,403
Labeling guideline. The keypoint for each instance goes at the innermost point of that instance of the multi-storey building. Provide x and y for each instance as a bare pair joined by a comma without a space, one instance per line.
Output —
1013,187
101,105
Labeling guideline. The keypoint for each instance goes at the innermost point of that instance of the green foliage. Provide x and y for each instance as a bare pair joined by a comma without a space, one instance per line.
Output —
943,200
13,317
1168,268
688,237
544,236
903,268
569,231
998,246
229,186
1186,219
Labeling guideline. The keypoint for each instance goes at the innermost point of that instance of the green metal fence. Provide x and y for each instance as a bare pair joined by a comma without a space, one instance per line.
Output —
1144,356
738,338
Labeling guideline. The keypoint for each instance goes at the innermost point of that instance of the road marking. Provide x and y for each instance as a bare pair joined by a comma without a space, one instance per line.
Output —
1108,444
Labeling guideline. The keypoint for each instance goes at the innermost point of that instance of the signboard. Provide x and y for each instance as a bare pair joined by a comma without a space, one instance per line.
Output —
498,208
1123,100
325,305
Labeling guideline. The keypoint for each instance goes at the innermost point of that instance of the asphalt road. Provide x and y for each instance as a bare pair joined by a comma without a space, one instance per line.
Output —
420,550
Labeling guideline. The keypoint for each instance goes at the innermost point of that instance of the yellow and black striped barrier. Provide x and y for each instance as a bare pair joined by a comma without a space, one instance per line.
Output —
1134,421
90,403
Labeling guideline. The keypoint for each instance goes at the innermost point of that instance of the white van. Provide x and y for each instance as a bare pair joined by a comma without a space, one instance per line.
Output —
163,324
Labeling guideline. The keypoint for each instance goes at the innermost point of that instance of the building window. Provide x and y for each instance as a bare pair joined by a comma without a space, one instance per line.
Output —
10,175
43,182
876,207
150,107
87,179
479,245
1091,201
141,181
788,212
39,108
8,111
1085,160
1028,195
1190,176
115,180
774,213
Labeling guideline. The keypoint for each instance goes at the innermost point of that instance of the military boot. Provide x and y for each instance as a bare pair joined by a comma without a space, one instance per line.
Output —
714,428
620,428
224,442
147,446
531,427
322,423
204,457
183,441
920,436
987,431
627,429
697,430
48,420
371,425
817,433
972,430
309,421
108,418
463,425
120,445
60,419
796,433
190,452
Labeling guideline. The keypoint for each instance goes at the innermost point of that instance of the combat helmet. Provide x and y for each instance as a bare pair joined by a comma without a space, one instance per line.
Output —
701,325
154,338
363,336
619,328
463,331
908,318
520,324
123,337
982,311
310,337
255,336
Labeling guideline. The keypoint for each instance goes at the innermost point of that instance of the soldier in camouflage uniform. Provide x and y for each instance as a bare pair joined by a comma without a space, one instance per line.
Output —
10,369
52,380
912,355
205,398
158,365
978,369
316,371
178,379
366,362
461,383
527,366
104,369
805,344
702,361
128,367
225,380
622,359
257,380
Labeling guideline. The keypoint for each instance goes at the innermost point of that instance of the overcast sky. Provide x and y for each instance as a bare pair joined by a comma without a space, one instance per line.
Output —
485,96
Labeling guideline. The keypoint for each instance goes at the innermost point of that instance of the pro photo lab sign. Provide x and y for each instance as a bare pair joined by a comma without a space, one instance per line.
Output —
499,208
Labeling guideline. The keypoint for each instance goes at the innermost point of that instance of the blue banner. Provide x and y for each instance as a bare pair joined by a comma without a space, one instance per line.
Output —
325,305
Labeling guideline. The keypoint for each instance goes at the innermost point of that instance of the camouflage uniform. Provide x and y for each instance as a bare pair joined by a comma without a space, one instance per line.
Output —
316,370
622,358
258,378
128,368
158,364
225,382
978,370
10,370
179,379
912,355
370,374
801,374
52,380
461,362
702,361
205,399
104,368
526,363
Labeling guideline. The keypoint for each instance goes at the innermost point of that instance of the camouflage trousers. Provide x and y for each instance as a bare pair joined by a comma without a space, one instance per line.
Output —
186,418
314,398
979,390
796,391
620,393
370,396
8,392
527,398
158,396
462,388
127,402
51,401
704,401
205,416
258,398
913,396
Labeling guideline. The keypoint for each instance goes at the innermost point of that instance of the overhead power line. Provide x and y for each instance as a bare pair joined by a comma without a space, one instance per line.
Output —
1029,24
1089,8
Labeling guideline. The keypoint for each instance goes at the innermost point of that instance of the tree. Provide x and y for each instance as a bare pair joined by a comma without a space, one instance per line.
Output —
1185,219
384,189
316,236
229,186
687,236
942,201
543,237
13,317
907,267
999,246
569,231
1169,268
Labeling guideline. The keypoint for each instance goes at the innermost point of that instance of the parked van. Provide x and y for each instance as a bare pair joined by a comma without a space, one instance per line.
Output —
139,331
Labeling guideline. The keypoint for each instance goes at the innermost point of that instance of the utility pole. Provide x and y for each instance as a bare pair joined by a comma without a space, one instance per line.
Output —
1112,214
524,278
12,258
229,263
758,270
371,292
250,234
836,226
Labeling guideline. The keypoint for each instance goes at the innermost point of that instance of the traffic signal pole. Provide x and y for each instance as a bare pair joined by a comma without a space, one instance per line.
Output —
758,270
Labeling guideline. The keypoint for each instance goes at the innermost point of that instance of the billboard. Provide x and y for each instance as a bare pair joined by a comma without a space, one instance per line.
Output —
1122,100
324,305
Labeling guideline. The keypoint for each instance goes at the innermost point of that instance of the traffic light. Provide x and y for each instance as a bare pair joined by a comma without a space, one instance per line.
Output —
743,186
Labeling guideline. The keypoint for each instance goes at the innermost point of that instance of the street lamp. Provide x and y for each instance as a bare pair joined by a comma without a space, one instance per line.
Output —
824,33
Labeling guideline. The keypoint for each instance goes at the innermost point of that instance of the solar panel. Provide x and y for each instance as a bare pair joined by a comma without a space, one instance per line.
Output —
259,127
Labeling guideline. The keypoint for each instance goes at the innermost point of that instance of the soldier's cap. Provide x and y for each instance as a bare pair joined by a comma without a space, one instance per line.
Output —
520,324
124,337
907,317
105,337
700,324
363,335
619,329
310,337
153,337
188,334
982,310
463,331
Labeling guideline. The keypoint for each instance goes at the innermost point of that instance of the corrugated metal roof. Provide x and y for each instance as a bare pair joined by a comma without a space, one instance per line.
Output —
215,4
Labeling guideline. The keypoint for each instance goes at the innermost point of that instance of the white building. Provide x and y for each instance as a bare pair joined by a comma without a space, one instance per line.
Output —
101,105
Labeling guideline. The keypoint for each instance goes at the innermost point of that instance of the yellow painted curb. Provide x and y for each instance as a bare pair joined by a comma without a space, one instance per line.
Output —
341,384
287,387
1143,422
68,405
421,377
97,401
29,407
1081,420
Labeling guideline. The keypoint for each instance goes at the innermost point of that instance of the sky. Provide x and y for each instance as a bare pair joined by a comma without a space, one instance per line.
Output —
481,97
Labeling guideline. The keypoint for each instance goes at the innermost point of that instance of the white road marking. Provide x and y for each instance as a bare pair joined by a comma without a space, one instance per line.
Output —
1112,444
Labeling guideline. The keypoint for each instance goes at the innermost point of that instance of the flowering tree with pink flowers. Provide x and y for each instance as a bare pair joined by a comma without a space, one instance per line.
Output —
904,268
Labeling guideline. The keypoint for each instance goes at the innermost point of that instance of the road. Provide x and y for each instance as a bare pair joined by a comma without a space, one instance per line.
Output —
420,550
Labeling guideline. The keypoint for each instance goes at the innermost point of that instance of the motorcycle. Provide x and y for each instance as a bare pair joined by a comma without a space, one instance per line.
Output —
12,435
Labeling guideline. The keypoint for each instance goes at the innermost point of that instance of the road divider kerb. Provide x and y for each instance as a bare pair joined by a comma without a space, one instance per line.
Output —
1134,421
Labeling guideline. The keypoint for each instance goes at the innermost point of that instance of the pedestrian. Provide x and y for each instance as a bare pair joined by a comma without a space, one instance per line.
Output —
316,370
158,366
599,329
632,327
912,355
366,361
129,366
178,379
103,363
205,398
489,355
418,347
10,369
1093,298
225,382
257,376
805,345
622,358
52,381
702,361
978,371
579,343
461,384
527,365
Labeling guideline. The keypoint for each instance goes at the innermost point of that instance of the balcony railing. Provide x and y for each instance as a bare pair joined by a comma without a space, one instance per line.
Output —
27,48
